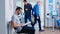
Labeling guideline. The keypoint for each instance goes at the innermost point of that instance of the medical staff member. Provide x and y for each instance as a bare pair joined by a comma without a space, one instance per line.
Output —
20,26
27,10
35,12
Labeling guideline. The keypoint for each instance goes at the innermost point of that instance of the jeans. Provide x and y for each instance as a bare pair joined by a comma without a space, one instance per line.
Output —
28,17
28,30
39,21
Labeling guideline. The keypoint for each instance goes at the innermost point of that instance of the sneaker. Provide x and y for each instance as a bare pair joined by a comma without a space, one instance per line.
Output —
41,30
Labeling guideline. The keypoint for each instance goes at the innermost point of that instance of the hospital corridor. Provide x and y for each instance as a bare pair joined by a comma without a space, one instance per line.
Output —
29,16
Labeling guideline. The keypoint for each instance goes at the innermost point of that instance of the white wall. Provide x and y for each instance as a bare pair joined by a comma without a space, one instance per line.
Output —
3,28
9,11
42,14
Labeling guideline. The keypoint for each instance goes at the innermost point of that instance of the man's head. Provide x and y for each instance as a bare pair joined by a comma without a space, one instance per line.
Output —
38,2
18,10
25,2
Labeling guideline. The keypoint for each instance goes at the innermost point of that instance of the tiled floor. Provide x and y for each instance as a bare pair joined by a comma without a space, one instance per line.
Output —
48,31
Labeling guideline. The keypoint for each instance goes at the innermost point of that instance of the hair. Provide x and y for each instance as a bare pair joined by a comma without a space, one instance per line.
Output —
24,0
18,8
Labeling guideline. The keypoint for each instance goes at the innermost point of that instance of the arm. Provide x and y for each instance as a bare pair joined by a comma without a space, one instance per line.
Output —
37,11
16,25
33,11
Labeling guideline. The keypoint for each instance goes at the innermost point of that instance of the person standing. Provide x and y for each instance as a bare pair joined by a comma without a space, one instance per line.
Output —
35,13
27,11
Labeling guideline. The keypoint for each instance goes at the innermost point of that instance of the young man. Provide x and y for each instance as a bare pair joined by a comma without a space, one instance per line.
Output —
20,26
36,15
27,10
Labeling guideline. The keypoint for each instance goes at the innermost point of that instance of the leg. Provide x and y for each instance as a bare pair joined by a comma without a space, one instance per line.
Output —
35,20
28,30
31,21
39,23
25,19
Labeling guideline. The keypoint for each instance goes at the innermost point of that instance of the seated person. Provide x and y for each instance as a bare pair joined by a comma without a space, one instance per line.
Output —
20,26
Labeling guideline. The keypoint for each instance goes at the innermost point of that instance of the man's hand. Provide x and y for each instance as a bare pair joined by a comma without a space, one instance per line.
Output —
26,9
22,24
33,12
37,17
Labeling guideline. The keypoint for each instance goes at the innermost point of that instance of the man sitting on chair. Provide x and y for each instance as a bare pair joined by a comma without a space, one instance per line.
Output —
20,27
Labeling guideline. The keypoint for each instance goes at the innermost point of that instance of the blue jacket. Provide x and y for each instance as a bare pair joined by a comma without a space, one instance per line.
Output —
36,10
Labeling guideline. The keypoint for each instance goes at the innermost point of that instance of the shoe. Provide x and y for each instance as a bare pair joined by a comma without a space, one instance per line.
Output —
41,30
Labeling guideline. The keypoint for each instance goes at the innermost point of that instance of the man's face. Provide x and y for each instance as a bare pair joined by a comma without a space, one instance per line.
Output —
39,3
25,3
19,11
